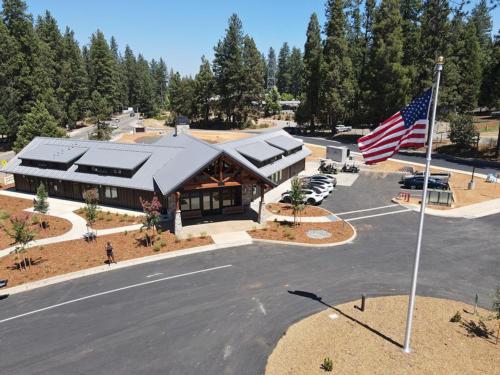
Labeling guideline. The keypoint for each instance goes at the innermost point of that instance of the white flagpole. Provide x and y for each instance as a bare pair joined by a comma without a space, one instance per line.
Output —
411,304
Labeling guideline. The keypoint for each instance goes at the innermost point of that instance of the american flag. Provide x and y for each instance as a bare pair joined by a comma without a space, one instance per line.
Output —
406,128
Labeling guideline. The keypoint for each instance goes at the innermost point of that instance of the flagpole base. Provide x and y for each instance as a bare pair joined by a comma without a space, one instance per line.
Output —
407,350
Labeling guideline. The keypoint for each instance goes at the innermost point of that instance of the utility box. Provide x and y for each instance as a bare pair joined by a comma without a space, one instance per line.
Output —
338,154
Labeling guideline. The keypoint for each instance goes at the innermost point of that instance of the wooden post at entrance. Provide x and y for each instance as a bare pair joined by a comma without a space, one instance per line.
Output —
177,218
261,203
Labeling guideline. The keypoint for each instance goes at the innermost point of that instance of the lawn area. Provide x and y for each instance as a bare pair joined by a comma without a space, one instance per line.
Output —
15,206
369,342
106,219
70,256
486,124
285,209
285,231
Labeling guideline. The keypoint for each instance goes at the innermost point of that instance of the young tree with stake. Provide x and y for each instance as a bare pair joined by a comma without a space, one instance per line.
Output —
40,203
151,216
296,198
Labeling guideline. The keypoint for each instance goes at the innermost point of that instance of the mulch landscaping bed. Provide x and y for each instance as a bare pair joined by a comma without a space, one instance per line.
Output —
285,209
286,231
370,342
107,220
14,206
70,256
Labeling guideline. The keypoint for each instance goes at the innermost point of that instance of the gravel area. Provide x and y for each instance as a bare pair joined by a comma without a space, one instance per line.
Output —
370,342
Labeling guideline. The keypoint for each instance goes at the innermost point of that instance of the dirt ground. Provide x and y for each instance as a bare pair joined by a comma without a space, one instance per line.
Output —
218,136
14,206
135,138
70,256
281,231
285,209
106,219
318,152
370,342
154,123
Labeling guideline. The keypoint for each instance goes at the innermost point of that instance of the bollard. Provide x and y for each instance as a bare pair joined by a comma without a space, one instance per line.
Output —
363,300
475,304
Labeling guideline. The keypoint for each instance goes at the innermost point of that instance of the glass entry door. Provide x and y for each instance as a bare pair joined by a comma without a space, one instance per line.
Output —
211,202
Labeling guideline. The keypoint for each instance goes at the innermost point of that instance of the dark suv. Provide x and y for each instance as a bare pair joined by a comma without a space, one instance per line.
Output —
417,182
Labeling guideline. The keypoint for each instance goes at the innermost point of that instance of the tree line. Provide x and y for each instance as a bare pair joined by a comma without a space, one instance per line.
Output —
374,58
48,82
366,62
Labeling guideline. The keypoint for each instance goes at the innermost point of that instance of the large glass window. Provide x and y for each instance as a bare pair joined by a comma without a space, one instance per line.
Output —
228,197
110,192
190,201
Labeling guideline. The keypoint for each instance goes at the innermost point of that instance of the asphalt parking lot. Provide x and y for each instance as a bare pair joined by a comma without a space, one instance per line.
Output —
228,320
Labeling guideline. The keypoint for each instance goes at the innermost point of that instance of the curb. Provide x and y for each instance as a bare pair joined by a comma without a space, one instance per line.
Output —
105,268
449,213
304,244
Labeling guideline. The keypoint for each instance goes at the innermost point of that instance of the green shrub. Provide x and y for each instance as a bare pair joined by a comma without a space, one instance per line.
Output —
203,234
109,219
125,233
159,231
456,318
189,236
327,364
4,214
177,239
163,243
157,246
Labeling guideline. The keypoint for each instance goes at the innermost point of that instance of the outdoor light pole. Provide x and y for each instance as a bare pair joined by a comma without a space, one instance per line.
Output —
411,304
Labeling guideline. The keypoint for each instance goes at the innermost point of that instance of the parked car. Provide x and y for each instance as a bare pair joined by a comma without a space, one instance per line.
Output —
417,182
321,184
320,188
132,114
311,196
324,177
343,128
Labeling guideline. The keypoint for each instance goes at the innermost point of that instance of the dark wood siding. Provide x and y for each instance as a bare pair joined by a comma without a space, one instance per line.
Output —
126,198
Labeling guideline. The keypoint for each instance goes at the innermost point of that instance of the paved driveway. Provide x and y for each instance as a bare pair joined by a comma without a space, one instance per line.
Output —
169,318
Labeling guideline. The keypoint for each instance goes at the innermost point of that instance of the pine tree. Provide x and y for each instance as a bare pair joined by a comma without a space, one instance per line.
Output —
28,80
130,71
490,90
309,107
119,92
181,93
296,72
204,90
101,77
284,76
160,81
228,70
271,69
411,11
435,41
356,43
145,88
41,205
387,80
337,78
481,19
252,79
73,80
38,123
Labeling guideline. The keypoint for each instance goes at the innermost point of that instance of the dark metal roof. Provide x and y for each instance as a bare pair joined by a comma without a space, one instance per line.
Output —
259,151
54,153
113,158
285,143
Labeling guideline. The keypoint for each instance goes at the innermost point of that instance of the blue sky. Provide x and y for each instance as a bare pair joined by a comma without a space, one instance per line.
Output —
182,31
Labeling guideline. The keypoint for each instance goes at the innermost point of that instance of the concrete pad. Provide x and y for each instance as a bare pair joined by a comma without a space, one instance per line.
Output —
232,238
346,179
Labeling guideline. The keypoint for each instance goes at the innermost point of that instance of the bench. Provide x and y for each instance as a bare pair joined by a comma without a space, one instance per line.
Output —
232,210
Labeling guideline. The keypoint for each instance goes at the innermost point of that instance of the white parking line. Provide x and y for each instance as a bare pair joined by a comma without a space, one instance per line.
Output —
367,209
113,291
154,274
369,216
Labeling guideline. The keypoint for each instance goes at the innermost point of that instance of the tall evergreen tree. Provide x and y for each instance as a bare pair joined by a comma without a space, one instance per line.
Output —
387,80
102,69
356,43
73,80
119,95
181,93
204,90
271,69
296,72
252,79
337,78
435,38
145,88
228,68
130,71
160,80
284,76
313,51
38,122
411,11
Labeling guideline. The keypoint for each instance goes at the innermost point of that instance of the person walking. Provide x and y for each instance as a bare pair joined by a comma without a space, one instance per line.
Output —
109,253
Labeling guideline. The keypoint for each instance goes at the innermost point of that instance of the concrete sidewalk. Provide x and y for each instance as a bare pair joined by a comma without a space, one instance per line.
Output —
472,211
